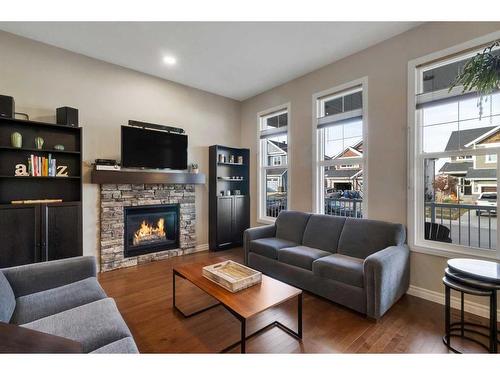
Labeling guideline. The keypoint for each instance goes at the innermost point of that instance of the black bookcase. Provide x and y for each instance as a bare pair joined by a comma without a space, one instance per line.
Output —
42,231
229,196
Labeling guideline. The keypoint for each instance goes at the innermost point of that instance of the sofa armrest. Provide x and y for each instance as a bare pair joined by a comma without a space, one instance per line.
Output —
255,233
36,277
386,278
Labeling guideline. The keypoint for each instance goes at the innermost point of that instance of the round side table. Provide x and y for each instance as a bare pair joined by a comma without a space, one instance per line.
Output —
475,277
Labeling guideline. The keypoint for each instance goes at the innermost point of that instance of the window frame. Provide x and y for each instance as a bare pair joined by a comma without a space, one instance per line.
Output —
262,218
318,164
489,160
415,157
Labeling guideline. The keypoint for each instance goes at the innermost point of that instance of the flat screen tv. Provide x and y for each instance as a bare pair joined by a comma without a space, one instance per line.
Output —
143,148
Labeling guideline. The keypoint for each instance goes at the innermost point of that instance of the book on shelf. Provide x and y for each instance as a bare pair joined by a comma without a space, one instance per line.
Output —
41,166
100,167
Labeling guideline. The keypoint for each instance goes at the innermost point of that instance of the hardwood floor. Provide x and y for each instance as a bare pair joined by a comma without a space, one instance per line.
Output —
144,297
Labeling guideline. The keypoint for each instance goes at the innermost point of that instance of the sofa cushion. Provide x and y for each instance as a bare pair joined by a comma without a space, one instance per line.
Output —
7,299
346,269
323,232
49,302
301,256
290,225
361,237
123,346
269,247
93,325
35,277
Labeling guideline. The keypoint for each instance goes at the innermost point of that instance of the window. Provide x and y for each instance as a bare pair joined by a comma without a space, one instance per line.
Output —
454,148
273,164
339,152
492,158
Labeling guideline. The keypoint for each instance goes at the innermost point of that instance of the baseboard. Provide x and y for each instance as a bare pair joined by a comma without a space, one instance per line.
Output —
202,247
471,307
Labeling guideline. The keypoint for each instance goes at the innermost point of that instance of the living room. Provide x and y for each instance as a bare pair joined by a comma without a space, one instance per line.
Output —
249,187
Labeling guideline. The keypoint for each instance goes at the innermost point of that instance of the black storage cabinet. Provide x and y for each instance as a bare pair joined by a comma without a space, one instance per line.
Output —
229,214
40,232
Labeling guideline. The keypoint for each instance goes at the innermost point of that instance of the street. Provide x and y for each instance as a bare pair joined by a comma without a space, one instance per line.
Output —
479,230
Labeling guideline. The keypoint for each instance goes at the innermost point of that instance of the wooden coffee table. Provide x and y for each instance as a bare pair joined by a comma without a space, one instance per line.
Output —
243,304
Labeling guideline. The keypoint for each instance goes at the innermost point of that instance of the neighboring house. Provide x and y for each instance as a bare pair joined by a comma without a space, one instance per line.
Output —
345,176
276,179
475,174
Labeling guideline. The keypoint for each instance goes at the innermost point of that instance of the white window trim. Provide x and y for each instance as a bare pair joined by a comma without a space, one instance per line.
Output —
318,163
415,191
488,159
261,210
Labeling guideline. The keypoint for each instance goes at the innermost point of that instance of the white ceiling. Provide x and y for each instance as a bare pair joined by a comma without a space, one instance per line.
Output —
236,59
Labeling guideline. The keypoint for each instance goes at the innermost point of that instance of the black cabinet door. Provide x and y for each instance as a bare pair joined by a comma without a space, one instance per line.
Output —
240,217
19,235
224,220
62,230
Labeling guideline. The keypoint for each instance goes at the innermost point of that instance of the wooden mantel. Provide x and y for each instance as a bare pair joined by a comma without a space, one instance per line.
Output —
146,177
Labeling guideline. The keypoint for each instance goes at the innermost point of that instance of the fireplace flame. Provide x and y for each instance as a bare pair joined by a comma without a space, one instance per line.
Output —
149,233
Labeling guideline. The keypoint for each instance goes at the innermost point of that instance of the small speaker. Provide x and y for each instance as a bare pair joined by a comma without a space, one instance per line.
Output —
7,106
67,116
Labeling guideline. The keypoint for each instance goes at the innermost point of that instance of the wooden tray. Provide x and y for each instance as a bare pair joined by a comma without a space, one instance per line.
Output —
231,275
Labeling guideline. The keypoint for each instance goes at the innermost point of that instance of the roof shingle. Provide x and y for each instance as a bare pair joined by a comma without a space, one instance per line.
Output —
481,173
459,138
341,173
456,167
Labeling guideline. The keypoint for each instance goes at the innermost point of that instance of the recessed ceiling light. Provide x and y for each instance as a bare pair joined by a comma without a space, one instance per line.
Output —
169,60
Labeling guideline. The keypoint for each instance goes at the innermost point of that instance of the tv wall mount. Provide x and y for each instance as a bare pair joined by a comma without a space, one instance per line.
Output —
147,125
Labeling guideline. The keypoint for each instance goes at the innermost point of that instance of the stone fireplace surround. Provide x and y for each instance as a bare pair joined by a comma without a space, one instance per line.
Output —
114,197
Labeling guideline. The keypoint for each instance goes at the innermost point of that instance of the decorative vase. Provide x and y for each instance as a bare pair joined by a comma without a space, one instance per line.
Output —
39,142
16,139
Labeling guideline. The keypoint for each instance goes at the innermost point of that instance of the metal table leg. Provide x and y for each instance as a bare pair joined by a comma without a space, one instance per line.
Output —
174,274
447,312
493,323
462,312
243,335
299,315
243,338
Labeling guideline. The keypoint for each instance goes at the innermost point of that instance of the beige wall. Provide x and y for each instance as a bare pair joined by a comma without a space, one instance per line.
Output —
42,78
386,66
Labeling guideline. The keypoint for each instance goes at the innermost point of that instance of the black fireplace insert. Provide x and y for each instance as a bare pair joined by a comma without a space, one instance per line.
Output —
149,229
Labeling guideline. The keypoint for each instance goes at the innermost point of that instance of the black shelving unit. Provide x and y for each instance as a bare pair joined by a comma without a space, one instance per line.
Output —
40,231
229,197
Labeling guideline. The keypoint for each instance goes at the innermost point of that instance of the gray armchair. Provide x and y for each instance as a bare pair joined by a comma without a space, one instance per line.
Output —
37,277
64,298
362,264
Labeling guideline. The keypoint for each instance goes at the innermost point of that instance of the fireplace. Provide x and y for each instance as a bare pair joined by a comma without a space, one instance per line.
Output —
149,229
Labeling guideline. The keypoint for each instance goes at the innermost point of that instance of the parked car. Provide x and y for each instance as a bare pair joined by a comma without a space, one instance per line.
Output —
488,200
333,193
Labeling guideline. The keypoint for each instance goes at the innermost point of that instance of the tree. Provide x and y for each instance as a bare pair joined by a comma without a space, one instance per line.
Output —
445,184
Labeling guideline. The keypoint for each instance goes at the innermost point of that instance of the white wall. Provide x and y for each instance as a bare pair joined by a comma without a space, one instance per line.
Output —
42,78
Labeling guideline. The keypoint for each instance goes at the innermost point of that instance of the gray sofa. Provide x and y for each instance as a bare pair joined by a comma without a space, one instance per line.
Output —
64,298
362,264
